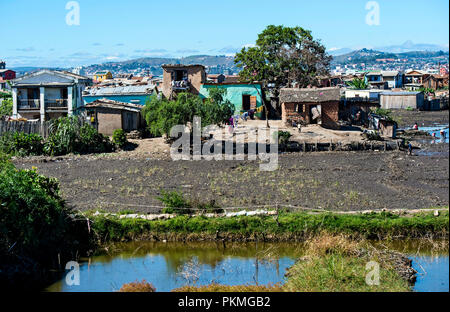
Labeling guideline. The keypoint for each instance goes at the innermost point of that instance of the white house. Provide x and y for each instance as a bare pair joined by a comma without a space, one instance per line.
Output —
48,94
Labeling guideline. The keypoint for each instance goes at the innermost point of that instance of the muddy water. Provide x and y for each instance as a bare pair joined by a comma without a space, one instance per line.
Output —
171,265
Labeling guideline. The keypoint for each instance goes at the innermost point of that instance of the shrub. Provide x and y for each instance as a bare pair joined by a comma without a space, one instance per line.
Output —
138,287
21,144
6,107
66,136
283,137
35,223
90,141
119,138
161,114
174,202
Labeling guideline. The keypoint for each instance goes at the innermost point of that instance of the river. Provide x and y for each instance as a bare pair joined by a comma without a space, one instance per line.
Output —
171,265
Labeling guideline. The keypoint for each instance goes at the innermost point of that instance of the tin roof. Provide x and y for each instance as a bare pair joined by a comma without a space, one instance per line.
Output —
125,90
314,95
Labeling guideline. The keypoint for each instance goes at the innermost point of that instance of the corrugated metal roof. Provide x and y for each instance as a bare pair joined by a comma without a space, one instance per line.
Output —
125,90
401,93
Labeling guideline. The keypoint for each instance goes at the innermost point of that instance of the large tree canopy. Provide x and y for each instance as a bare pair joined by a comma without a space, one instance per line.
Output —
282,56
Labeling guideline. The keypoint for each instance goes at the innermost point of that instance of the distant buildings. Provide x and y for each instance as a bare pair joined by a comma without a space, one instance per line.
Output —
102,75
414,79
5,76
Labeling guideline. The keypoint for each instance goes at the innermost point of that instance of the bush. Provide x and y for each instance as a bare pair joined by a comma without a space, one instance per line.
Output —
175,203
21,144
119,138
35,223
66,136
90,141
283,137
6,107
161,114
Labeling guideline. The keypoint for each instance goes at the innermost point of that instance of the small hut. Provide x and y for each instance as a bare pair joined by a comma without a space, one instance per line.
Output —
311,106
108,115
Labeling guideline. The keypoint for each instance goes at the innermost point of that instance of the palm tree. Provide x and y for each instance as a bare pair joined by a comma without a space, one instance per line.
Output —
358,84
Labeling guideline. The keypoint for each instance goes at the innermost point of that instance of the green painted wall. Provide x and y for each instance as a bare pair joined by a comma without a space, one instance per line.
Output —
235,93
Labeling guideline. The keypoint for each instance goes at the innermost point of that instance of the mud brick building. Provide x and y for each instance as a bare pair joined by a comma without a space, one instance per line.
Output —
108,115
311,106
182,78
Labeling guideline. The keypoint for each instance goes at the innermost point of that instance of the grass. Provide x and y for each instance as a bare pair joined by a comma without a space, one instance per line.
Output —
336,263
226,288
288,226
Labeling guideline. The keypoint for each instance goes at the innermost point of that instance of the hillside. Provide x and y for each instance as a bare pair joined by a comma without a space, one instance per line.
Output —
371,56
154,64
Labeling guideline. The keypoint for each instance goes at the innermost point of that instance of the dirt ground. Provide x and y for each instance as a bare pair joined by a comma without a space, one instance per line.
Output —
132,180
408,118
327,180
308,134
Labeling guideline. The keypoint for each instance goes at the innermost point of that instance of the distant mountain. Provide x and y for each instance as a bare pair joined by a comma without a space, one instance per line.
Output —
337,52
154,64
410,46
369,56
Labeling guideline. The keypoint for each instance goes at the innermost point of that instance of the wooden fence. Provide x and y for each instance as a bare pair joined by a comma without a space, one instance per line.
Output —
25,127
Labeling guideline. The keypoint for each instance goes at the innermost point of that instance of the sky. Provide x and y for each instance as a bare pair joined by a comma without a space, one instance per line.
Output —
47,32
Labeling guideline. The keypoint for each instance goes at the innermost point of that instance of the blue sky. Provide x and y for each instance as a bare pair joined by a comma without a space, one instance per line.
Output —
35,33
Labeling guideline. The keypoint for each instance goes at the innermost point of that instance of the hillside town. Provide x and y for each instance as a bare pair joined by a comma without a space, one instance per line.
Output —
49,94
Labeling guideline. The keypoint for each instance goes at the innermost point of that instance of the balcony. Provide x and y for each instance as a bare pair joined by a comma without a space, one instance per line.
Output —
56,104
29,104
180,86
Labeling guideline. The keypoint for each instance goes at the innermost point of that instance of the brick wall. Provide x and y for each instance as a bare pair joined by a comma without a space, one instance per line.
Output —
330,114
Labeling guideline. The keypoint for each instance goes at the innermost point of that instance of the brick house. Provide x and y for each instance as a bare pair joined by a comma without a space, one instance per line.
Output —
182,78
311,106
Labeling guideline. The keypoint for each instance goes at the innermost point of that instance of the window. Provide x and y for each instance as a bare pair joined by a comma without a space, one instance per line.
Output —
180,74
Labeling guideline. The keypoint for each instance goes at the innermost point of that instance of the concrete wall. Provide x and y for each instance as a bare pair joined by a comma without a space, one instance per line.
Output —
108,121
367,94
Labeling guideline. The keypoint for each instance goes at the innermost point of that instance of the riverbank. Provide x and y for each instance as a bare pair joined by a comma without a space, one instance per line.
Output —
282,227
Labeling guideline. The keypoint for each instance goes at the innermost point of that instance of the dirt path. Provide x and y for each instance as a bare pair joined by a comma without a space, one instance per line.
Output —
327,180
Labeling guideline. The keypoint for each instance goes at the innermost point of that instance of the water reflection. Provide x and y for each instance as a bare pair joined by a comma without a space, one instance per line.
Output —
172,265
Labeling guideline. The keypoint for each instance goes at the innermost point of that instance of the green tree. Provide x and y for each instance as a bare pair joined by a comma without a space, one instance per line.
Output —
283,56
358,84
161,114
